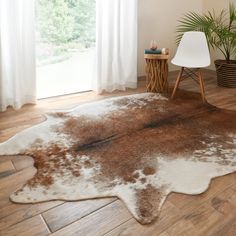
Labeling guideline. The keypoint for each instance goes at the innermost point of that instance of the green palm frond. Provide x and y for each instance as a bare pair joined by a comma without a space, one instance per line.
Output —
192,22
220,29
232,15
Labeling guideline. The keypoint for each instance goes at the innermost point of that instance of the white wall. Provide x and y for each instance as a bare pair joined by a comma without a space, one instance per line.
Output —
217,5
158,20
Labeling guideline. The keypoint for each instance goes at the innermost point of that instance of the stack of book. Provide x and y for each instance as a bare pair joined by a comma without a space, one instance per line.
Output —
163,51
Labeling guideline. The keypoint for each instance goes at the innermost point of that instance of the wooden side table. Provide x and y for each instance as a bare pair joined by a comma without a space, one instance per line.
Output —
157,73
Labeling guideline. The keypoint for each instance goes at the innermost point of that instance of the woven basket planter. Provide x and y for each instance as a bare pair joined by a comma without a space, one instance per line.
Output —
226,73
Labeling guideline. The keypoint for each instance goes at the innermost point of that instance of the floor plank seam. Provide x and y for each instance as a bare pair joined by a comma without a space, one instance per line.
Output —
45,223
15,224
181,218
12,162
27,218
109,231
86,215
42,212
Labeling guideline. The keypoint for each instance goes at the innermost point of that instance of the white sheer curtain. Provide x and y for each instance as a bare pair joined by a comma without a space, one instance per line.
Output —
17,53
116,54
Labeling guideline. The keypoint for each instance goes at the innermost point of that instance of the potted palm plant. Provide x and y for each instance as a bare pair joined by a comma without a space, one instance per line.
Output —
220,30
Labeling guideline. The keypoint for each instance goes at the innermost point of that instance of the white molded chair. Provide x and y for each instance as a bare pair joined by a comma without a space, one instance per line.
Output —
192,54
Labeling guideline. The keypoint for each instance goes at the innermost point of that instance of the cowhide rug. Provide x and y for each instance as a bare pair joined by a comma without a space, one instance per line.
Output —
139,148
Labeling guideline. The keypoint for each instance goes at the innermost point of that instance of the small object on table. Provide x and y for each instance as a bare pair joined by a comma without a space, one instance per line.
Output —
153,45
157,71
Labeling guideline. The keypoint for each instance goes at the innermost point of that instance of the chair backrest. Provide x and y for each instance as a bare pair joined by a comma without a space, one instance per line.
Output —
193,51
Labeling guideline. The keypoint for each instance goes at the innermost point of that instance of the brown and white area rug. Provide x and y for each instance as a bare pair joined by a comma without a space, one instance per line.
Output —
139,148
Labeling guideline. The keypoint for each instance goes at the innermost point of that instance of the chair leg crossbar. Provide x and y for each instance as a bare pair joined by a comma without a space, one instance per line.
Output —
194,74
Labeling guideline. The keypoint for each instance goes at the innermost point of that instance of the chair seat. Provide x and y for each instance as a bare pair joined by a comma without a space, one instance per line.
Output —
186,62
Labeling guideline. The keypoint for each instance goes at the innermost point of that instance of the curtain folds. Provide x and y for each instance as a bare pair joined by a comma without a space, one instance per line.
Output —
116,48
17,53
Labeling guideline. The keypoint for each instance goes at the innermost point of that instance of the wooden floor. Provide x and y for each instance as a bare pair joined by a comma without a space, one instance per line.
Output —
211,213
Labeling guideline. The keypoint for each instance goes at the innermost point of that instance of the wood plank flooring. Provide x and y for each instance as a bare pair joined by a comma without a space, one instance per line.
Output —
211,213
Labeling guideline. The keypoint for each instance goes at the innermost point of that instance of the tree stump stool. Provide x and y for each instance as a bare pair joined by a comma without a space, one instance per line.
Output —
157,73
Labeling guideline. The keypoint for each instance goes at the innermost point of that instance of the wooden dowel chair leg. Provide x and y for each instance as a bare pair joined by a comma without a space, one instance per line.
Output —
177,82
201,82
